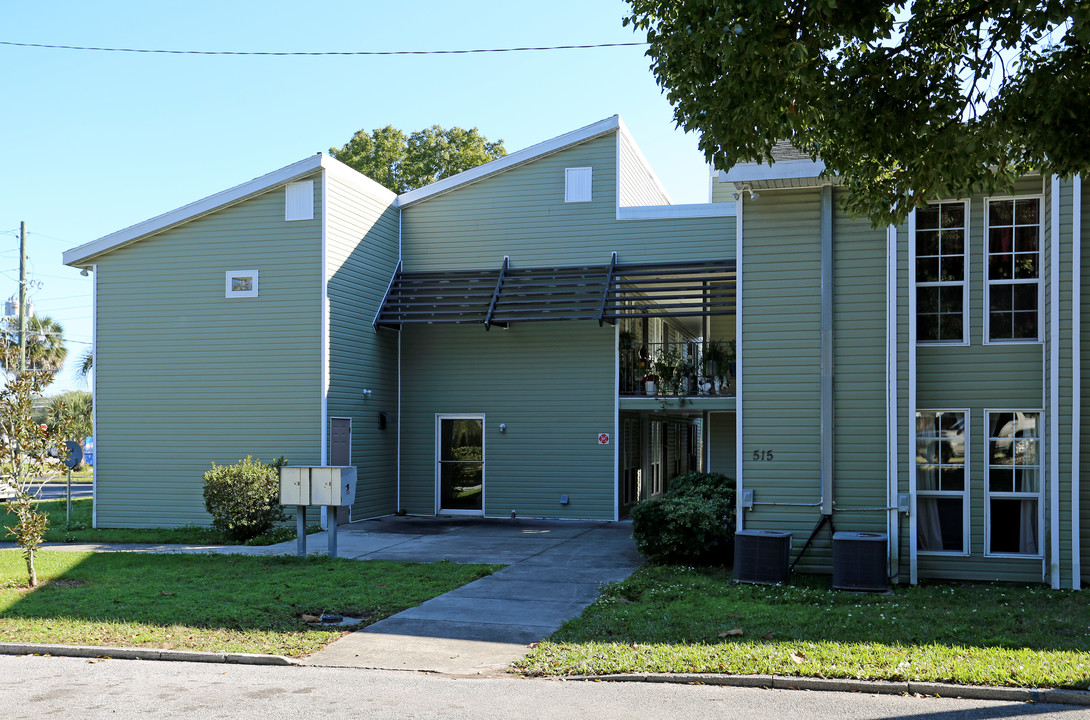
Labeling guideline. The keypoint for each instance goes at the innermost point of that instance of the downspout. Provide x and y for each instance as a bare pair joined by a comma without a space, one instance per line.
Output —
827,368
739,366
1076,378
910,439
1054,387
893,520
399,332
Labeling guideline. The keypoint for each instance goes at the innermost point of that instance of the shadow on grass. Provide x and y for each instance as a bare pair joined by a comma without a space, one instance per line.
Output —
104,598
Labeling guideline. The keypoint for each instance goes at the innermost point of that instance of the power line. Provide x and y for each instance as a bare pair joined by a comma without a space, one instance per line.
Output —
349,52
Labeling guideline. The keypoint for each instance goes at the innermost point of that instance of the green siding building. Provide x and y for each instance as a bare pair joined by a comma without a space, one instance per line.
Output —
548,335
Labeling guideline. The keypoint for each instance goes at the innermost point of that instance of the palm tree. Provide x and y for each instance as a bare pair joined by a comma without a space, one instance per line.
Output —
45,350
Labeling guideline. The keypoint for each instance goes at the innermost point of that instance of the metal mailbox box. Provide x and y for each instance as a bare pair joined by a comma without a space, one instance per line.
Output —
332,485
294,485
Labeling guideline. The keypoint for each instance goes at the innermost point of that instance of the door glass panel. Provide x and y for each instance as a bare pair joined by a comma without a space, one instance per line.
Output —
461,464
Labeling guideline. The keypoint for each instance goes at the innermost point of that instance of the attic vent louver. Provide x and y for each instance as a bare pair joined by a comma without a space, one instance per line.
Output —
299,200
577,184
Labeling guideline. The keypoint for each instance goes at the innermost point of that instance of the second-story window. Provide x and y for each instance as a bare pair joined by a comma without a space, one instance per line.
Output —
1013,267
940,273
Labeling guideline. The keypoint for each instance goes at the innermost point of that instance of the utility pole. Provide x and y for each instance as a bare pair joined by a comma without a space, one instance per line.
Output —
22,297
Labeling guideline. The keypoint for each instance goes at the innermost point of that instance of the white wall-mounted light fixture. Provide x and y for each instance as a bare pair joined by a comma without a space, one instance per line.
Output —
503,427
85,272
367,394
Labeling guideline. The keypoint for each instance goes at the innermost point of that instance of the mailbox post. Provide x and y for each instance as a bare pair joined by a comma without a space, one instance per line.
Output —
326,486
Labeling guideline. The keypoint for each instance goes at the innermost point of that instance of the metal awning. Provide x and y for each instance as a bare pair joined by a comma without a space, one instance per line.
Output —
604,293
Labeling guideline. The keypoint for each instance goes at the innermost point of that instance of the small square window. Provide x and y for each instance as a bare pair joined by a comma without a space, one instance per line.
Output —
241,283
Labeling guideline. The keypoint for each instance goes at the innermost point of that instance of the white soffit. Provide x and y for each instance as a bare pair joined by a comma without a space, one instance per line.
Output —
521,157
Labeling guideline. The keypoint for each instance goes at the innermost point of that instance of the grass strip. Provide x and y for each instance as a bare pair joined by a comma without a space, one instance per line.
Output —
218,603
677,619
81,530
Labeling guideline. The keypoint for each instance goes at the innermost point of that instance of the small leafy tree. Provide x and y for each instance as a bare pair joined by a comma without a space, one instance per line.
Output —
244,499
25,447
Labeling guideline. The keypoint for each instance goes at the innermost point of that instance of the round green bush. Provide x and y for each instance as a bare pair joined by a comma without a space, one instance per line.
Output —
244,499
692,523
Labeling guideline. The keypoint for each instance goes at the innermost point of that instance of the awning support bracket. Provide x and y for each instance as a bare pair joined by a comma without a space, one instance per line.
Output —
605,290
496,295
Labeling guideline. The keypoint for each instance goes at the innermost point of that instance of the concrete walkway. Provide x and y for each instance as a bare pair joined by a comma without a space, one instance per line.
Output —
554,570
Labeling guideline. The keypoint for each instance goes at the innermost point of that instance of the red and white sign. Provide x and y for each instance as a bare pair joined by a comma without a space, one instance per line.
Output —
603,439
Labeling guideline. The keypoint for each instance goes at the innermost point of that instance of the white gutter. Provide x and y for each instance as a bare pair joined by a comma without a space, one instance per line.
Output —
325,342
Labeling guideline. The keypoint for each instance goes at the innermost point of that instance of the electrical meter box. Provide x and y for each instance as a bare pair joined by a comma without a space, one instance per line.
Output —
332,485
294,485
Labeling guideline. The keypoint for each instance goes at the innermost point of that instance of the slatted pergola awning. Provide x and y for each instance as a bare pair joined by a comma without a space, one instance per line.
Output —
604,293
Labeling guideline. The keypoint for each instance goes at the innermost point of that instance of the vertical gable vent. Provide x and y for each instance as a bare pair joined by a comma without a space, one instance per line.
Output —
577,184
299,200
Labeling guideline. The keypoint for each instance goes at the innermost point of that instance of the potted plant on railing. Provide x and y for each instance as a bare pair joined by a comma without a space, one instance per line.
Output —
666,366
715,364
650,384
686,377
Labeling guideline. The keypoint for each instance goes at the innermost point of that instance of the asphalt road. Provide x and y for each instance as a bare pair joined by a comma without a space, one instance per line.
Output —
56,491
36,687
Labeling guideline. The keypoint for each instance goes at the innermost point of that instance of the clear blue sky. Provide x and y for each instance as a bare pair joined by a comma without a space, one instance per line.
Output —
93,142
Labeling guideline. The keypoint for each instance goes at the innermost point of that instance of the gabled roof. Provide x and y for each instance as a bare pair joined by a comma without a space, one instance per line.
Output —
308,166
521,157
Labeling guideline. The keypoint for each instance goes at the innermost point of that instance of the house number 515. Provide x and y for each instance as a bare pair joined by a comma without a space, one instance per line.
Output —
762,455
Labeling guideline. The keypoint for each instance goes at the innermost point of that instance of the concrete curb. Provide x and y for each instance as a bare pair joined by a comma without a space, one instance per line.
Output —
790,682
122,653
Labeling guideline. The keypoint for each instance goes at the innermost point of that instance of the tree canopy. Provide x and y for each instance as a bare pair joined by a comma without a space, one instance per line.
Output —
906,102
405,162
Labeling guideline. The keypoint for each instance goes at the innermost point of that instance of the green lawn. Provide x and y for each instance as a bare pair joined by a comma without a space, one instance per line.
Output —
675,619
83,532
222,603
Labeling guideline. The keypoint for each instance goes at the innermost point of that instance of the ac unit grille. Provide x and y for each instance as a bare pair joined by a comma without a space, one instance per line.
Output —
859,561
762,556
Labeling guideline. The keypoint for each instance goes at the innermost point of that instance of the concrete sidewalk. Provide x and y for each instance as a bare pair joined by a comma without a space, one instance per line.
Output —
554,571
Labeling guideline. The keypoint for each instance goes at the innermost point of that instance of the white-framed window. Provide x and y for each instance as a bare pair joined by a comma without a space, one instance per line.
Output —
241,283
1012,485
942,481
577,184
942,230
1013,269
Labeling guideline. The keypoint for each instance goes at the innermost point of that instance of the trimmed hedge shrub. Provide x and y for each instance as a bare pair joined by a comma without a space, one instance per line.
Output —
244,499
691,523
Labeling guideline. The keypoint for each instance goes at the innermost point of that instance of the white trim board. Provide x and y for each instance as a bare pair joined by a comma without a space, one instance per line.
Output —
669,212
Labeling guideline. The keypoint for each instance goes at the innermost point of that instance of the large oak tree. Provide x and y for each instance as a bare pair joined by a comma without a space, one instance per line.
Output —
904,101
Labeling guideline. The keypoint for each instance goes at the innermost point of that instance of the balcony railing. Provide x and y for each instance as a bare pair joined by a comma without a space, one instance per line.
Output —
677,369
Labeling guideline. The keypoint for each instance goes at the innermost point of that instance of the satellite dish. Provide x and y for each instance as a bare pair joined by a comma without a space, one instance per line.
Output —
75,453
